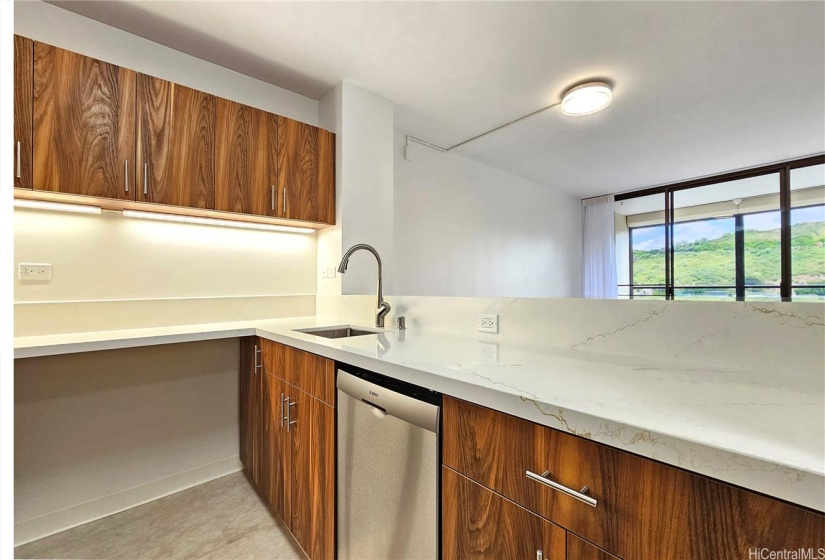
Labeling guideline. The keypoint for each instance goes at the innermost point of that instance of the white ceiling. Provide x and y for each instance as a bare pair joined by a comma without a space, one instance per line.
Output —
699,88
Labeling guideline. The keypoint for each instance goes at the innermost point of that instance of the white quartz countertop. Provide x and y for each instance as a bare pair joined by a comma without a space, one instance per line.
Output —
757,429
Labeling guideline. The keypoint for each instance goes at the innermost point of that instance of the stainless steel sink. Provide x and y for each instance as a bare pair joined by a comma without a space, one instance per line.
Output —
336,332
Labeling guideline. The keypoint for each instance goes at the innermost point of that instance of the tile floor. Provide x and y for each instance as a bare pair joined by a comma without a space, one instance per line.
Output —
223,519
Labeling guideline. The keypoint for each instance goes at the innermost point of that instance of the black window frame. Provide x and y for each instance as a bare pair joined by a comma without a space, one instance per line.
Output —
783,169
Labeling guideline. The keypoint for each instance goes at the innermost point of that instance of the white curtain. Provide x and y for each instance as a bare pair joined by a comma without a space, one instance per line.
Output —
599,248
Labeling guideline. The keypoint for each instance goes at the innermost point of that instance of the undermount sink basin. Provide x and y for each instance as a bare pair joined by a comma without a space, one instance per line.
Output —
336,332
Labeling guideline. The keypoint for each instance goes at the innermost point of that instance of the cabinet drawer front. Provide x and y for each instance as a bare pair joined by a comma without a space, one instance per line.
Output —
308,372
479,524
578,549
644,509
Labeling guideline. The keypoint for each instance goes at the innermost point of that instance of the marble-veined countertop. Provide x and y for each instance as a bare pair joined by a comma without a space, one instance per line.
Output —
761,430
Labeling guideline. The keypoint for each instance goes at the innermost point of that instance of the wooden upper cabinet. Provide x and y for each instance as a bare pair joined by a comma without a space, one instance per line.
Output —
23,94
245,159
176,144
298,170
84,125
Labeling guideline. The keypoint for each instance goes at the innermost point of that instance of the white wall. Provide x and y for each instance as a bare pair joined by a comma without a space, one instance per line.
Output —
61,28
465,229
98,432
363,122
113,257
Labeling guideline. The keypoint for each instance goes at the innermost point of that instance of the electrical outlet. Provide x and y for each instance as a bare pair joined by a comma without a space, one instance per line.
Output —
488,351
488,322
328,272
41,272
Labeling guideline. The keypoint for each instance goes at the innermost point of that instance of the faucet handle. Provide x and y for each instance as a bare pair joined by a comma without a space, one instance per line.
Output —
400,321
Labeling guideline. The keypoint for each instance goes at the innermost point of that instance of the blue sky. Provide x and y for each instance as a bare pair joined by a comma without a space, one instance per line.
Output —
645,239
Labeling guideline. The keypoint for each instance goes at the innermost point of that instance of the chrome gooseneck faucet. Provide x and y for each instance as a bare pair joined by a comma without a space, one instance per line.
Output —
383,306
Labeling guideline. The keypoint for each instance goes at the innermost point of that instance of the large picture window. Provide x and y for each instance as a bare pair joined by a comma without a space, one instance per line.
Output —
755,236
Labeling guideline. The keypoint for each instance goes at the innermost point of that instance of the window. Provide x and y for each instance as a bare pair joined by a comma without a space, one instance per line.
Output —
757,236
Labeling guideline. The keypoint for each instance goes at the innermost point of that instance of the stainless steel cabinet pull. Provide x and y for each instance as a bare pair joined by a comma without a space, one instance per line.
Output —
282,409
539,555
19,167
126,175
272,195
145,178
284,202
289,419
258,364
580,495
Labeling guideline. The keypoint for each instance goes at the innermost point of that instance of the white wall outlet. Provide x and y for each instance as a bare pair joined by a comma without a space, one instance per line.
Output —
41,272
488,322
331,271
488,351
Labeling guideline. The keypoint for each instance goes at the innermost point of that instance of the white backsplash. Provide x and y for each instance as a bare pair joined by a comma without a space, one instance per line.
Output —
765,336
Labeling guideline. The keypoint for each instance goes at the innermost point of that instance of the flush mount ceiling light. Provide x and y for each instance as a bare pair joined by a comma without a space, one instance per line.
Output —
56,206
586,98
582,99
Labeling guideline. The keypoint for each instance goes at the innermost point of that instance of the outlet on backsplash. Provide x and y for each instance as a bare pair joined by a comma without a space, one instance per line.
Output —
488,322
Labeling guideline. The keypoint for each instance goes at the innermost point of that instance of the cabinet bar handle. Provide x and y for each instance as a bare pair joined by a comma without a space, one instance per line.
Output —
258,365
273,196
284,202
126,176
580,495
145,178
539,555
289,419
19,167
282,409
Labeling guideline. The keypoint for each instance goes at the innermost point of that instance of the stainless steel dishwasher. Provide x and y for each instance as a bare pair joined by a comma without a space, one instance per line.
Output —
388,468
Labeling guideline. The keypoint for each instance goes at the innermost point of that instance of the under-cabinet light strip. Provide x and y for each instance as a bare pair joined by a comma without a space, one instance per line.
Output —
213,222
56,206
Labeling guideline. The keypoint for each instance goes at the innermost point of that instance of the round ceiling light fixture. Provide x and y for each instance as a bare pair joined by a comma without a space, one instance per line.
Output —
586,98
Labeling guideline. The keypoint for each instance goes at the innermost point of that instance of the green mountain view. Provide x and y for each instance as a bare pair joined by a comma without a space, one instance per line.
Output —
711,262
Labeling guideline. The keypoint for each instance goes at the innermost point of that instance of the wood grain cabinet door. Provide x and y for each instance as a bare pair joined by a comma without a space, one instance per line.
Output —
176,144
298,170
478,524
277,447
312,487
244,152
251,409
84,125
23,99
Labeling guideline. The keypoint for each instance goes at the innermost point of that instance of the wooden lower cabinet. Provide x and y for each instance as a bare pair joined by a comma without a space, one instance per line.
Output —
645,510
288,442
580,549
481,525
312,474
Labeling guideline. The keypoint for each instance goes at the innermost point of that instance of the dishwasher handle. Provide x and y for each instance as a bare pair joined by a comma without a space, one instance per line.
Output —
412,410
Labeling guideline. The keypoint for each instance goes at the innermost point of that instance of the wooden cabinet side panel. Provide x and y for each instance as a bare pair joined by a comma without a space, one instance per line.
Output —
479,524
23,100
242,159
312,489
326,176
578,549
645,510
84,125
245,381
176,144
298,169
